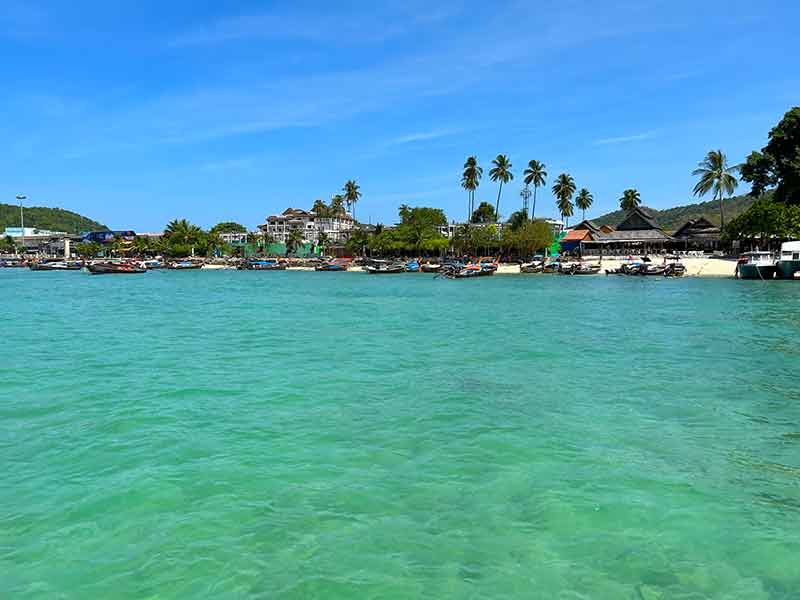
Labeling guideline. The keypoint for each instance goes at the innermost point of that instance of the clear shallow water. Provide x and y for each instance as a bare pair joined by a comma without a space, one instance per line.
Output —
325,435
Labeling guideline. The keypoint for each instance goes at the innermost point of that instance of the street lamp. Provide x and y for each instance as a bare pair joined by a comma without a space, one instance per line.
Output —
22,197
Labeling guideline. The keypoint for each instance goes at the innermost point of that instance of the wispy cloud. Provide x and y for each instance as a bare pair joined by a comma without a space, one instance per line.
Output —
421,136
624,139
357,27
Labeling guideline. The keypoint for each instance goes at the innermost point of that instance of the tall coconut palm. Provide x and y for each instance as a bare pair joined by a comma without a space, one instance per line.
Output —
563,189
583,201
337,205
470,180
535,174
715,174
630,199
352,194
500,172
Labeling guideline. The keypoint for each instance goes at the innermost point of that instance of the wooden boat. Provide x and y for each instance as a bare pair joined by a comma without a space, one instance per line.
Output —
412,266
115,268
675,268
788,264
756,265
430,268
266,265
579,269
56,266
333,265
385,267
469,270
534,267
184,265
153,263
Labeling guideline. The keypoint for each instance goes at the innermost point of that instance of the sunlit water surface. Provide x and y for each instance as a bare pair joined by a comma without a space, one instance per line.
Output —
338,435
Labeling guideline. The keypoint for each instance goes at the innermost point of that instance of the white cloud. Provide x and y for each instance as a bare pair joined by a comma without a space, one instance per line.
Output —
624,139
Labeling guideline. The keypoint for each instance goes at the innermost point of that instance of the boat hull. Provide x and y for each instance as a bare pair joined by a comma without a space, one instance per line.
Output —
786,269
106,269
750,271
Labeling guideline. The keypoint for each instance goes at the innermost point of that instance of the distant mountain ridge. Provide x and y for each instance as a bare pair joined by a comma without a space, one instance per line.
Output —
55,219
671,219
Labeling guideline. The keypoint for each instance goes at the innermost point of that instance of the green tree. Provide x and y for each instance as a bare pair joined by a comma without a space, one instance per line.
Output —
484,214
321,209
778,163
630,199
716,175
7,245
470,180
324,242
563,190
583,201
293,240
352,194
531,237
228,227
336,208
418,229
500,172
181,237
517,220
358,242
88,249
537,175
765,220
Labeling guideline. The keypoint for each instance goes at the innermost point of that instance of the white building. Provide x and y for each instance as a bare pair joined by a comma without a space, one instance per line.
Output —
310,226
234,238
31,232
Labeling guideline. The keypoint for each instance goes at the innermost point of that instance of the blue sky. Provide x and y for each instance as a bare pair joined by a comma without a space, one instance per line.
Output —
137,112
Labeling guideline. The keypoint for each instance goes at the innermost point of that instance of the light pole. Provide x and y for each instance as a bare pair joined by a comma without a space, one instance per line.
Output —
525,194
22,197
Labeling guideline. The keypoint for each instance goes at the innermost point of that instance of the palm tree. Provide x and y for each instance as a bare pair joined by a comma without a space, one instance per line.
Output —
470,180
351,195
337,205
717,175
535,174
500,172
563,189
294,239
583,201
630,199
323,242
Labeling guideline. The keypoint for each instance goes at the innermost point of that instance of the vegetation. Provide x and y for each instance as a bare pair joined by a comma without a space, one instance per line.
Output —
777,166
500,172
716,175
630,199
583,201
517,219
88,249
55,219
470,180
417,232
228,227
293,240
563,189
672,218
7,245
765,220
484,214
537,175
352,194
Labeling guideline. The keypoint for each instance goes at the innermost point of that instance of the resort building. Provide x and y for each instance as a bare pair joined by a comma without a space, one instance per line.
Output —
638,233
234,238
31,232
310,225
698,234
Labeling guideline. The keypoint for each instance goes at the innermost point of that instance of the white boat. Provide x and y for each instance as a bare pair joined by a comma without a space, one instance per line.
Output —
789,260
759,264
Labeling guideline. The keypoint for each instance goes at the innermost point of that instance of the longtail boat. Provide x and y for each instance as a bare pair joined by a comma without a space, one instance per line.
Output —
110,267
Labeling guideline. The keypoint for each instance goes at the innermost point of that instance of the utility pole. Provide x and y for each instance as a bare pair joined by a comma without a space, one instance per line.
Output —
22,197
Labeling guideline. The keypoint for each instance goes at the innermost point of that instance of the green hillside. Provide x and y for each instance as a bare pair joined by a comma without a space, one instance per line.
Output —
55,219
672,218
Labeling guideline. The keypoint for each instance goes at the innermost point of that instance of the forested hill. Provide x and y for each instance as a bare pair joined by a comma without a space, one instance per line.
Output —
672,218
55,219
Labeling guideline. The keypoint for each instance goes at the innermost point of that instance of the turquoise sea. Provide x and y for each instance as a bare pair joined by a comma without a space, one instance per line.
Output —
336,435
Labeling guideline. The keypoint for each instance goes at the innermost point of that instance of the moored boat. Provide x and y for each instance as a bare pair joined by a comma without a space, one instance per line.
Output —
759,264
413,266
385,267
333,265
788,264
118,267
430,267
270,264
183,265
67,265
